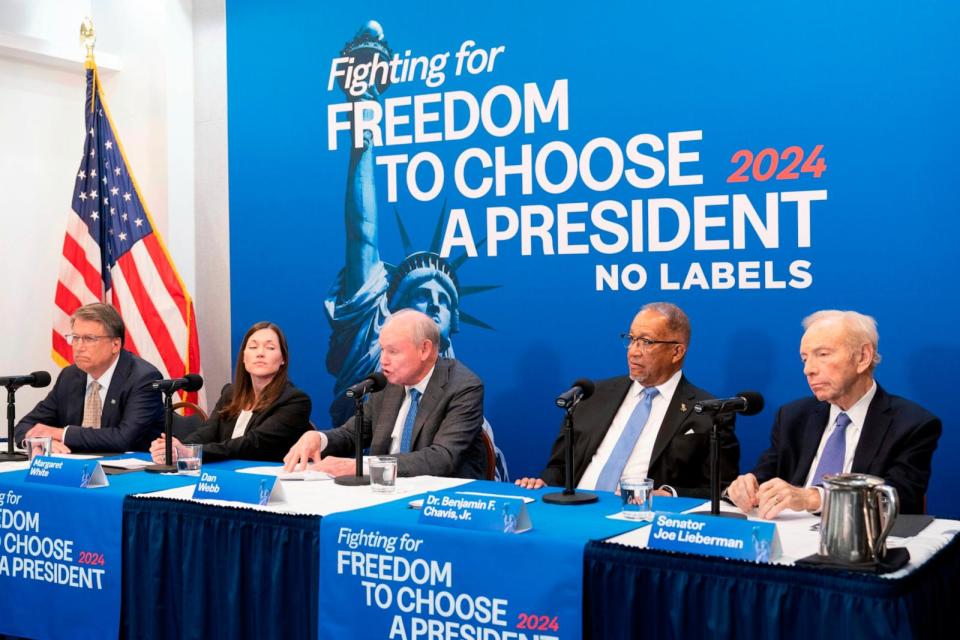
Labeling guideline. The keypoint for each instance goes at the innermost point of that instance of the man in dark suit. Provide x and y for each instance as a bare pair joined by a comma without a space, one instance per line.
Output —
644,425
430,414
104,401
852,425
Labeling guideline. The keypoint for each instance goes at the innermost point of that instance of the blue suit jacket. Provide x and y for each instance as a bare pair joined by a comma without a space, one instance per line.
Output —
132,412
896,443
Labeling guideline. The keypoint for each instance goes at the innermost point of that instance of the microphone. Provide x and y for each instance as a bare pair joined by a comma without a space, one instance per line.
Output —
35,379
746,402
371,384
581,390
189,382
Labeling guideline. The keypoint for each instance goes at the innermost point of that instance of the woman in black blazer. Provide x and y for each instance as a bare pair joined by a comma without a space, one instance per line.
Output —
261,415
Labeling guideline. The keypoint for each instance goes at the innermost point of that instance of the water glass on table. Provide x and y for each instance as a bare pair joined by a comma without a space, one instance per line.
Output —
37,446
383,473
189,458
637,497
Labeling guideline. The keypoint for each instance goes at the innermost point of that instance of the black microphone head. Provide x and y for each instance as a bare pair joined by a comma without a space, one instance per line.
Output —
586,386
194,382
754,402
379,381
40,378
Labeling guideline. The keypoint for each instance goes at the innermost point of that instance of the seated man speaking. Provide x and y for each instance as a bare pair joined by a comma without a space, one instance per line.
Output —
429,415
852,425
644,425
104,401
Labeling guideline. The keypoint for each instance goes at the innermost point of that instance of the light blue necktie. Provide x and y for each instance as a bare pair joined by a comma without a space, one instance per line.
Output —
407,433
610,475
831,460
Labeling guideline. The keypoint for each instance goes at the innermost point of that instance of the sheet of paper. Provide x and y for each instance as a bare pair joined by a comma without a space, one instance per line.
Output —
526,499
126,463
307,475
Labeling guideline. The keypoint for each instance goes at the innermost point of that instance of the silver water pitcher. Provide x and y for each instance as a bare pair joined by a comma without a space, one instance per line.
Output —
858,513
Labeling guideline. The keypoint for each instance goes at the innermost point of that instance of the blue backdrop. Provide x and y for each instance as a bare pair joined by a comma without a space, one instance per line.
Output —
839,119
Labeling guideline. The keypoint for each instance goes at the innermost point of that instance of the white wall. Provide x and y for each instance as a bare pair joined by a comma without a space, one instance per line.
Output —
165,82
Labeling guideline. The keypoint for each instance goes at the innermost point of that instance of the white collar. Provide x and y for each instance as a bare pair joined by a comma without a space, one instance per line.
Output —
106,377
666,388
858,411
424,381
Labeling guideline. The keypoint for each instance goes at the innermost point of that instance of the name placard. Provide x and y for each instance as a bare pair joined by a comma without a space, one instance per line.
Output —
715,536
238,487
504,514
67,472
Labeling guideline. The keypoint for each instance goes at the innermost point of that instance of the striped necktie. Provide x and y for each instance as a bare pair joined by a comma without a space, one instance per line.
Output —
92,406
610,475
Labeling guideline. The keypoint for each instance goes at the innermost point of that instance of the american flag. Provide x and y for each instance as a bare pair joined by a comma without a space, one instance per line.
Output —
113,253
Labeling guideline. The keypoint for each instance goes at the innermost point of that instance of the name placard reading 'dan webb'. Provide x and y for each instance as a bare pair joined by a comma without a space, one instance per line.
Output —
238,487
715,536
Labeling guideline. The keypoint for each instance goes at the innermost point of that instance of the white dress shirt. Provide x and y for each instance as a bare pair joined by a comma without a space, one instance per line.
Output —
405,409
857,414
104,382
240,427
638,464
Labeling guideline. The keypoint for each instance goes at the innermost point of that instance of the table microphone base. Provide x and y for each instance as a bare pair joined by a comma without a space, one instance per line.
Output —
160,468
352,480
570,498
722,514
11,457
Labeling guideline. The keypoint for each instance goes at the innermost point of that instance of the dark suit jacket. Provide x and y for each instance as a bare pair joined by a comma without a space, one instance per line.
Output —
896,443
269,434
446,439
679,459
132,412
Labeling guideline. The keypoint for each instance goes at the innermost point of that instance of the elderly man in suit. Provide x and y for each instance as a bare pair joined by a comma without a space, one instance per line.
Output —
429,415
104,400
851,425
644,424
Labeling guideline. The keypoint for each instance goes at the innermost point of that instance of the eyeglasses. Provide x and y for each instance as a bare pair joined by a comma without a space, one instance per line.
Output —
85,340
644,344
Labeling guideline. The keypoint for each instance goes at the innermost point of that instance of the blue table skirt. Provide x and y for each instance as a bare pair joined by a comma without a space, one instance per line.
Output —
638,593
188,572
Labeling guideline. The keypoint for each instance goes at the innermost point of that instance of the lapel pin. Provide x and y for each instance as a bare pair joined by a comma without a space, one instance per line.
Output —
114,401
683,407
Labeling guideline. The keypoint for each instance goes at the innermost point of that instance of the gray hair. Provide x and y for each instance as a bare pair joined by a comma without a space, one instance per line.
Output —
424,328
104,314
861,329
677,321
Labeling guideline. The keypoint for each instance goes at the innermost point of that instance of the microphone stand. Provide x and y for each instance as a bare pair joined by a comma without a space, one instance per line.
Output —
358,479
10,455
715,477
169,467
569,496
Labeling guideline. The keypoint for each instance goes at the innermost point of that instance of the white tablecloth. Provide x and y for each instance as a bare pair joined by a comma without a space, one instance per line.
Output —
799,539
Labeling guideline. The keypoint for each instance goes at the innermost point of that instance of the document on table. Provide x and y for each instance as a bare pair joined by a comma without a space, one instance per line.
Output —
307,475
126,463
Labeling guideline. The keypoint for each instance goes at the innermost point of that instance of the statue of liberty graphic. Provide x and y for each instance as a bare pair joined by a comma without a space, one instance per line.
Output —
85,475
368,290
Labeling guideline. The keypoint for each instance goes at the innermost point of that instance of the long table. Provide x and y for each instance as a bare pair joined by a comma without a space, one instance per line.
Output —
277,591
195,569
633,592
